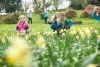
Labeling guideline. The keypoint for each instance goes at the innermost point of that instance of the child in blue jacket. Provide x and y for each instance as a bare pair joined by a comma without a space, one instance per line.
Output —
45,16
61,23
96,13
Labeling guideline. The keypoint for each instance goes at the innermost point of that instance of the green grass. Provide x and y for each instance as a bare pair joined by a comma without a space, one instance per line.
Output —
38,24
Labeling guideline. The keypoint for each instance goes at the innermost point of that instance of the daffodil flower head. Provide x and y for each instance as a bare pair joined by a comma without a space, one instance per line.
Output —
40,42
18,52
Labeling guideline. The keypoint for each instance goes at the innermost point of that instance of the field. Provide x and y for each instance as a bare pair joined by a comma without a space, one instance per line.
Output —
38,24
77,47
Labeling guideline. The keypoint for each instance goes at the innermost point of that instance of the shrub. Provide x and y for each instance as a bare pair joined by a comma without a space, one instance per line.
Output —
1,17
70,13
85,15
10,19
76,4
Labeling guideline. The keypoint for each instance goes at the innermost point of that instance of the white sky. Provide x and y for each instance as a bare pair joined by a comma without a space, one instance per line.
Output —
27,0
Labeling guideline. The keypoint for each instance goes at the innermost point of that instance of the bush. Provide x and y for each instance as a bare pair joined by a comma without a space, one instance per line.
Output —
85,15
70,13
76,4
1,17
10,19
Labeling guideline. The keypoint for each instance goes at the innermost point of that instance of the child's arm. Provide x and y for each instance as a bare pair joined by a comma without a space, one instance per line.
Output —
17,28
27,28
94,12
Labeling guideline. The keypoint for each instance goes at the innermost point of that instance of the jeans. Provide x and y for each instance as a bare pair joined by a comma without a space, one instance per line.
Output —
30,20
46,19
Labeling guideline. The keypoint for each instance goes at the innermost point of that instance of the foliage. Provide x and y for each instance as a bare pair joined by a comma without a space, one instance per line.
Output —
1,17
72,48
76,4
10,19
39,6
10,5
85,15
94,2
70,13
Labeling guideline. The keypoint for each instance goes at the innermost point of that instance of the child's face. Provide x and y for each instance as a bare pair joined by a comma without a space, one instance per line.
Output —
61,18
22,20
98,12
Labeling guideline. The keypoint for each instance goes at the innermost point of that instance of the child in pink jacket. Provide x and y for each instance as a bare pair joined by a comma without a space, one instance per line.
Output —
22,25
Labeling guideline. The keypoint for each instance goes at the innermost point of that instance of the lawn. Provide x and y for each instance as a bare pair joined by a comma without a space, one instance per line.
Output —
38,24
74,48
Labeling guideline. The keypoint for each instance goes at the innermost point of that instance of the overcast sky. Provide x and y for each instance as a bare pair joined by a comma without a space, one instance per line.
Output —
27,0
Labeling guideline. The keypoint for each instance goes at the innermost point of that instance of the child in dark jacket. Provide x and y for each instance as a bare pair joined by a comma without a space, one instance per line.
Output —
61,23
96,13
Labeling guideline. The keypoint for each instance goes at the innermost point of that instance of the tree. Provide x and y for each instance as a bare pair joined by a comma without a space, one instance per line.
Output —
56,3
40,4
10,5
76,4
92,2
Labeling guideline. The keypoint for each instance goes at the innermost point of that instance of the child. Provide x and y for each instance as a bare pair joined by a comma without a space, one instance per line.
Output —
61,23
96,13
22,26
45,16
30,17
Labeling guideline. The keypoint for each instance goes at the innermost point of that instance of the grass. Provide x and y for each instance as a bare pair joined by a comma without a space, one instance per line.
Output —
38,24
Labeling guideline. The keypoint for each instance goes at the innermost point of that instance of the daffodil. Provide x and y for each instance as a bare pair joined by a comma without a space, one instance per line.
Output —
1,60
19,53
92,65
73,32
98,36
3,40
65,30
87,32
61,31
54,32
63,34
18,33
96,31
77,37
40,42
49,33
26,37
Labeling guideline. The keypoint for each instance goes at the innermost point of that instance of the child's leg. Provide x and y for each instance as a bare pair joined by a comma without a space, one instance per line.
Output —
31,20
45,19
28,20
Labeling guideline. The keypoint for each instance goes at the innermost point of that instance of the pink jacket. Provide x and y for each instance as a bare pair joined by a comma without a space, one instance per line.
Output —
22,26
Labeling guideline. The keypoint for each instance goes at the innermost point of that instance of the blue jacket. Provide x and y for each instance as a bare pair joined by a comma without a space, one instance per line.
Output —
55,25
45,14
68,23
95,16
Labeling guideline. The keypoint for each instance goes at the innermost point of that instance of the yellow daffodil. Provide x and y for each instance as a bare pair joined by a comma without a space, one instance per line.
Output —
48,33
63,34
54,33
3,40
92,65
77,37
1,60
65,30
18,33
73,32
19,53
61,31
98,36
26,37
82,36
40,42
87,32
96,31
